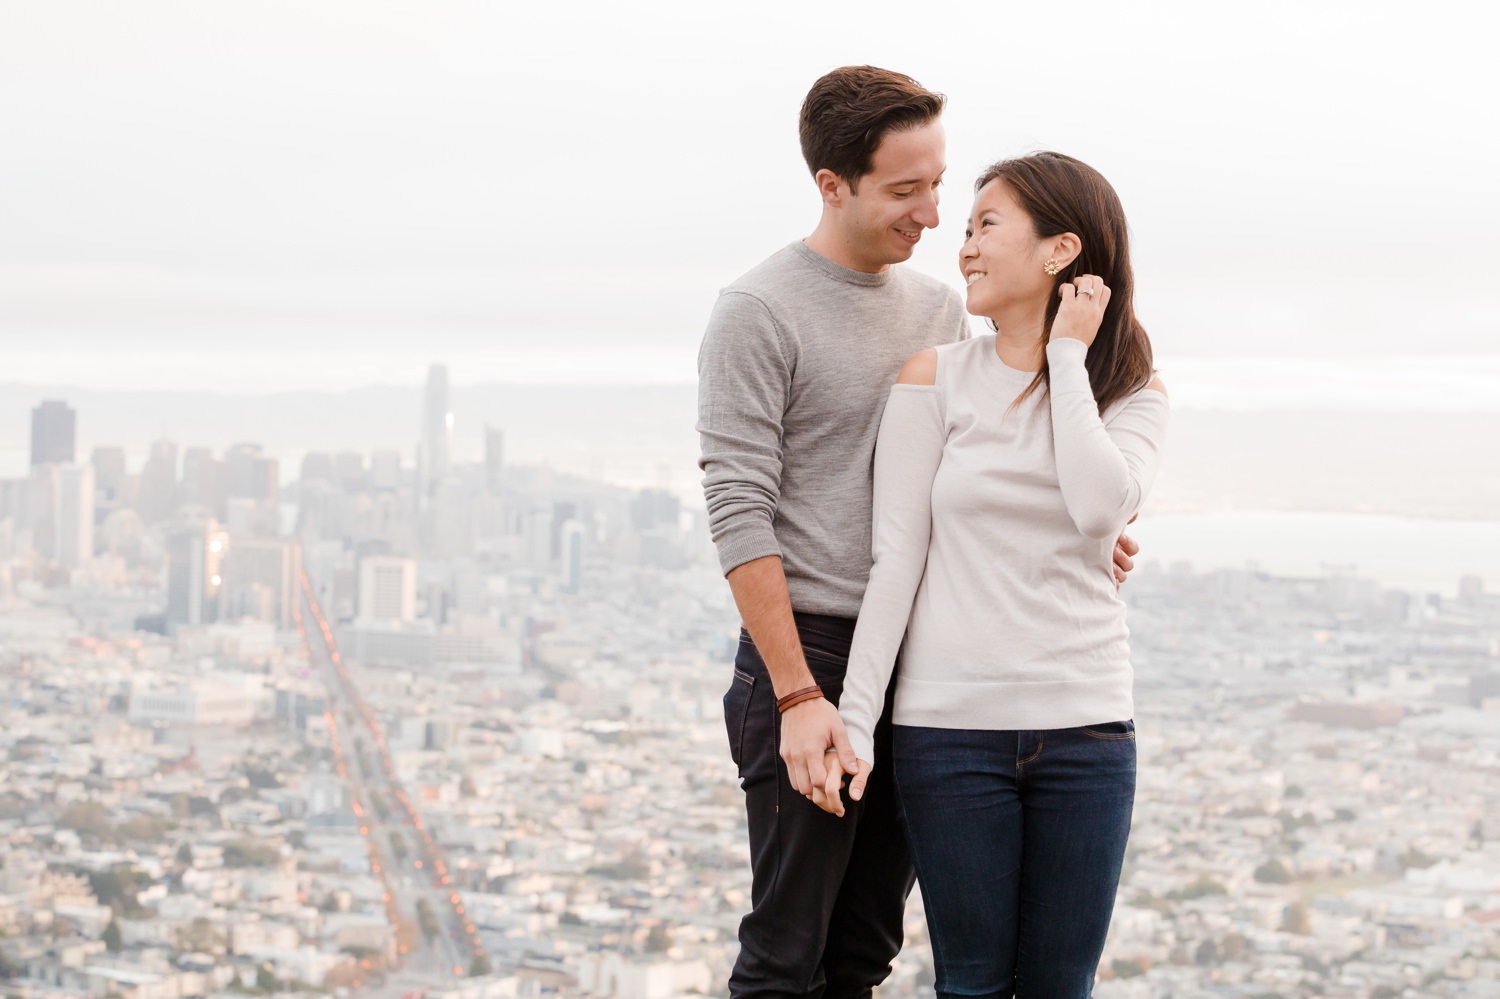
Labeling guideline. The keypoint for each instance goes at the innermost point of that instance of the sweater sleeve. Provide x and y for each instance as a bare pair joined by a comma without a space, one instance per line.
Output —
744,378
907,454
1105,469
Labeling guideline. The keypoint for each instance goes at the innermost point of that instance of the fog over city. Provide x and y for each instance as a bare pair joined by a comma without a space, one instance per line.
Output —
361,633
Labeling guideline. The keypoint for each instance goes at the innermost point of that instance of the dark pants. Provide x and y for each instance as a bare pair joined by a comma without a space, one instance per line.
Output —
828,894
1018,839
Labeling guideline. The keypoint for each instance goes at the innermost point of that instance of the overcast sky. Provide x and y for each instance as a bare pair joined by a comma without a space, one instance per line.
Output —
271,194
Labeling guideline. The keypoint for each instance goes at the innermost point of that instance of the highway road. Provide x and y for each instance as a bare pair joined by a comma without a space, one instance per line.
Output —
413,873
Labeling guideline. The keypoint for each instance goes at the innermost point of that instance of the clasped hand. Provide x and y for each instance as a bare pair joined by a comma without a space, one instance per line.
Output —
817,753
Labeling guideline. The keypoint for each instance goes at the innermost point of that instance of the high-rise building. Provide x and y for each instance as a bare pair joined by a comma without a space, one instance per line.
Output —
205,481
252,475
73,519
195,558
652,508
349,471
261,573
387,589
317,466
38,509
159,483
255,479
436,452
563,511
109,472
494,458
53,428
572,556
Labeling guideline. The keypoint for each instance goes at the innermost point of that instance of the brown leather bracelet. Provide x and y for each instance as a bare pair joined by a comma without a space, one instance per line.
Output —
798,696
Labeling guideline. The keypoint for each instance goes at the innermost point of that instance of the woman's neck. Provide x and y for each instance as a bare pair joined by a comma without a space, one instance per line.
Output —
1018,337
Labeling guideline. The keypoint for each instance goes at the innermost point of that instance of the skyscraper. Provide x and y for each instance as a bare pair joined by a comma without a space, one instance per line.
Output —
387,588
263,566
73,521
436,452
572,556
109,472
159,483
317,466
53,427
195,557
494,458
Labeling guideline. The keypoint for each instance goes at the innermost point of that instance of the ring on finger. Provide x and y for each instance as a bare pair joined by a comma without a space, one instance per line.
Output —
1086,291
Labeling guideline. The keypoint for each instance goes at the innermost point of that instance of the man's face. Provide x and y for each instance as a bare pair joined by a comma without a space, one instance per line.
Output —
897,199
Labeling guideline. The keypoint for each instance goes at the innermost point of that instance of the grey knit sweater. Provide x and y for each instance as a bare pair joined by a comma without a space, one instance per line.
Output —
793,374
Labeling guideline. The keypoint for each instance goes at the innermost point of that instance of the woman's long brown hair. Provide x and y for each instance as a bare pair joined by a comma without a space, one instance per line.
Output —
1062,194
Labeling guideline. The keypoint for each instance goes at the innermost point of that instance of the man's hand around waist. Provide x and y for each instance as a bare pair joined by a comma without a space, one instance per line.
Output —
808,731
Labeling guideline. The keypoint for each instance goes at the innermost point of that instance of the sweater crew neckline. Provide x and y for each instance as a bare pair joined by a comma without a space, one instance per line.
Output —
838,271
992,362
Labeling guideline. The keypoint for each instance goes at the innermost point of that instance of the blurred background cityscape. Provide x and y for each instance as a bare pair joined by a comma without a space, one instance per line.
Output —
360,631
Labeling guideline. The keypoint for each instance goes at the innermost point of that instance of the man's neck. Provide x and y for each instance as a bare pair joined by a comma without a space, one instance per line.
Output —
827,241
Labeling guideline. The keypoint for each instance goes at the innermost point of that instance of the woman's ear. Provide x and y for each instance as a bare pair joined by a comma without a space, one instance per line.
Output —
1065,249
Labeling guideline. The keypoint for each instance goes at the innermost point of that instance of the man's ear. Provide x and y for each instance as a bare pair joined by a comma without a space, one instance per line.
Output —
831,187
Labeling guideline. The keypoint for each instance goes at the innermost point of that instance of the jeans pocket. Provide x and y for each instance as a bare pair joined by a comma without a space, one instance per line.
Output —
1110,731
736,712
820,660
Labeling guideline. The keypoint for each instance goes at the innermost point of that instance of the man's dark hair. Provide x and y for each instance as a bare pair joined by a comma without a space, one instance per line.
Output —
850,110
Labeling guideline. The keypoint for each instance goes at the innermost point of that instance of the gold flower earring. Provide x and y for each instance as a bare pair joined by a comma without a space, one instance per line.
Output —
1050,267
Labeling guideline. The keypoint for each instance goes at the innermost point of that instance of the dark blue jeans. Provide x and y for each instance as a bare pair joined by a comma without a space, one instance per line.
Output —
828,894
1018,839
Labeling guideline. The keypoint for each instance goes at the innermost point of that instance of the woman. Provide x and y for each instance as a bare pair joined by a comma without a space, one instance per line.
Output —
1006,466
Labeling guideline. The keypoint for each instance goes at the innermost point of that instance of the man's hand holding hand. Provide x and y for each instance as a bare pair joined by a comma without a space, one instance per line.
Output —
808,731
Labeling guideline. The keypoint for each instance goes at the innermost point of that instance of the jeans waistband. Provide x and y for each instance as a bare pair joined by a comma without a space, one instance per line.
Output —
825,626
839,629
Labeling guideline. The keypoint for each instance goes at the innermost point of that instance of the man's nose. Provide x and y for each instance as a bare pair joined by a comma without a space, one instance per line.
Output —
927,212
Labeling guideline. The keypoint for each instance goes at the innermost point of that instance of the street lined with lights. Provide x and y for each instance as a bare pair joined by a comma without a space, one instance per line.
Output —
431,856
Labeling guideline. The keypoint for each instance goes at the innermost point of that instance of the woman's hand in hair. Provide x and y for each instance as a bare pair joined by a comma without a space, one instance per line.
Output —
1082,309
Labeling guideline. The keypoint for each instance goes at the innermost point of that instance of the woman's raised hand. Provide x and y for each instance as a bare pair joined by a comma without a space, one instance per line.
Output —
1082,309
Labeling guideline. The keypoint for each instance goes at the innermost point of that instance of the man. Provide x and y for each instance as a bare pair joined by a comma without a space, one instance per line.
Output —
794,370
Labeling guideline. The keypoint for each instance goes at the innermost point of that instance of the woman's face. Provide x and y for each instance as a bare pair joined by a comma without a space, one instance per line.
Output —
1002,258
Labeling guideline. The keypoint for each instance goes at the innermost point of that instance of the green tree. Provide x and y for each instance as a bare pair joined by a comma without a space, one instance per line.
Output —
479,966
1273,872
658,941
111,937
87,818
1295,919
427,919
1415,858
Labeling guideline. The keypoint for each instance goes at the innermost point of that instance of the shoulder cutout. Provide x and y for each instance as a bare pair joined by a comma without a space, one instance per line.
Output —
1158,385
920,370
